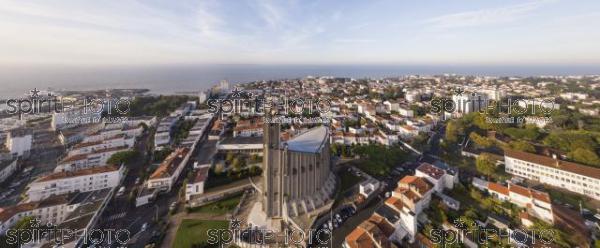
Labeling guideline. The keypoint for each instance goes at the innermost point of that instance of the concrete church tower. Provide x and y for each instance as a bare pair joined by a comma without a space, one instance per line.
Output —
297,176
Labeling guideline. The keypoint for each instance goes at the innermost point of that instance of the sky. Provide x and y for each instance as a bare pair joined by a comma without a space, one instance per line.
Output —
156,32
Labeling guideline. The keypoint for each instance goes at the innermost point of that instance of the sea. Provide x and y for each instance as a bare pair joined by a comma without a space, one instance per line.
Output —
16,81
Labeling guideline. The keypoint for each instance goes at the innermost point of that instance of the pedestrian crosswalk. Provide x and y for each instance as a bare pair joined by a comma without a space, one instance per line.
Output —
116,216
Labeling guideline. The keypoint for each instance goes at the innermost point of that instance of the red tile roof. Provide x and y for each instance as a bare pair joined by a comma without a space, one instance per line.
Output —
431,170
84,172
498,188
519,190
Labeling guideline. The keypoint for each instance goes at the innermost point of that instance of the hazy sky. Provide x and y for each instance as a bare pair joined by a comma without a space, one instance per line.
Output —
80,32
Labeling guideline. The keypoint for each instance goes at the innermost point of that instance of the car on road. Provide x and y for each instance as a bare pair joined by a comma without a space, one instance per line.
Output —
121,191
173,206
144,227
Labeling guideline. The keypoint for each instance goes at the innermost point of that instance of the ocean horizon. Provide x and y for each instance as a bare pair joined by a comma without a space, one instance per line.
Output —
168,79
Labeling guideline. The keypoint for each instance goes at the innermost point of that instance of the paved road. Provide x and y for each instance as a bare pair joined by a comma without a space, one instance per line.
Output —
122,213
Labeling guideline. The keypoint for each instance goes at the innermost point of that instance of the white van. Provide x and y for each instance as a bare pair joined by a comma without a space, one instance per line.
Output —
121,191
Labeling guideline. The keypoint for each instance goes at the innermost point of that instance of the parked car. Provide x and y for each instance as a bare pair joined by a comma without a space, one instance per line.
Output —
121,191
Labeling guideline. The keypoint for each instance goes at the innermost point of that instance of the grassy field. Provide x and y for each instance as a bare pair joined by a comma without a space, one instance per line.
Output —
194,232
348,179
221,207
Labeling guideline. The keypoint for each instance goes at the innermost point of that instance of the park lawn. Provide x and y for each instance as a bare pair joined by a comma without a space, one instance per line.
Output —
220,207
192,232
348,180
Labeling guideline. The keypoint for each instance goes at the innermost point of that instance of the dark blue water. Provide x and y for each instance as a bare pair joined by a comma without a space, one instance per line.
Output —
15,81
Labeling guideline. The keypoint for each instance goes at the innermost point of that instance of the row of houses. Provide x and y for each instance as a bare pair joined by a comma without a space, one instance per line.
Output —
164,130
397,221
536,203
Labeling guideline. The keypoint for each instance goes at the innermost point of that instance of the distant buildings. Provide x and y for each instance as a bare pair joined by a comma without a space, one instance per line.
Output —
74,117
469,102
224,86
162,137
202,97
249,128
571,176
96,178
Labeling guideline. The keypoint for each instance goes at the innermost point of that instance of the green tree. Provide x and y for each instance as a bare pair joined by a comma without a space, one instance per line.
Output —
453,129
521,145
255,170
480,140
123,157
219,168
585,156
237,164
229,157
485,165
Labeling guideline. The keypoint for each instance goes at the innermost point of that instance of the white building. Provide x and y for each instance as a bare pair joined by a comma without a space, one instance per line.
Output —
162,137
570,176
165,176
87,160
368,187
51,210
85,180
536,203
54,210
196,185
75,117
202,97
441,179
249,145
17,142
469,102
224,86
7,168
412,195
120,140
405,111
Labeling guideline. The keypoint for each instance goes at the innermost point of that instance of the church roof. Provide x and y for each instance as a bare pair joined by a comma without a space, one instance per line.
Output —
311,141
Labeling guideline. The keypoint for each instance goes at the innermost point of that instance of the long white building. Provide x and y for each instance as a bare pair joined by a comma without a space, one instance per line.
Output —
85,180
7,168
165,176
87,160
571,176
